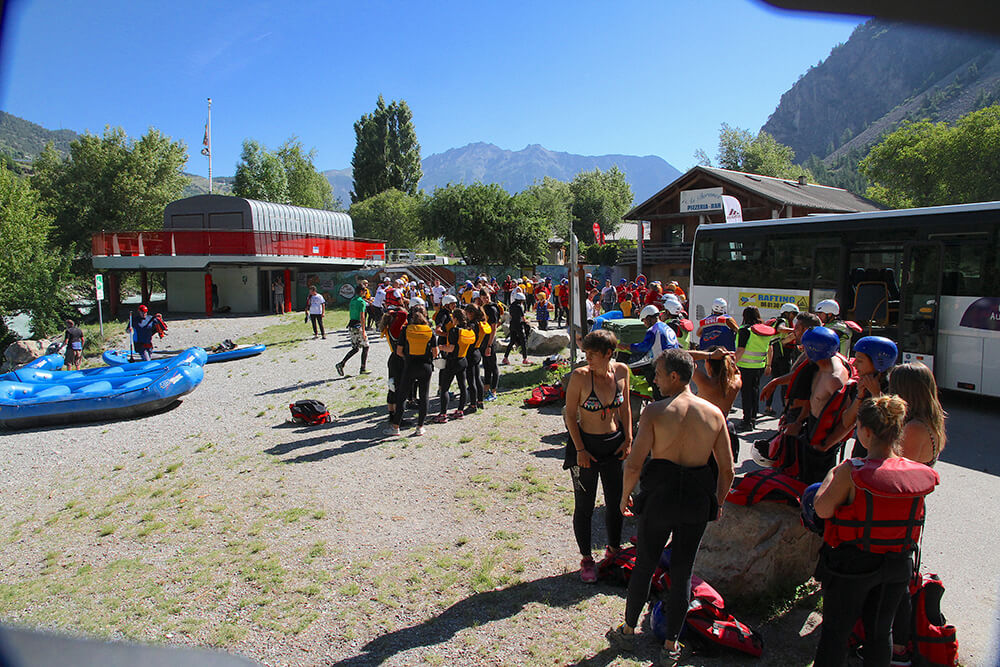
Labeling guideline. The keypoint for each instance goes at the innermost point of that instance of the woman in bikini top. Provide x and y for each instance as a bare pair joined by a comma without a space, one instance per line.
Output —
924,433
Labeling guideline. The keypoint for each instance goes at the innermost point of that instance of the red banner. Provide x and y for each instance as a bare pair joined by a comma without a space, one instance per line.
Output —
598,234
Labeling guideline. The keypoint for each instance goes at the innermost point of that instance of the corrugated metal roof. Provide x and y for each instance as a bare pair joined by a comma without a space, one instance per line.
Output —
268,216
781,191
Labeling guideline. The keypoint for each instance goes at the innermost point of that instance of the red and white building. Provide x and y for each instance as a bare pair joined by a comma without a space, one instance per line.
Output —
242,246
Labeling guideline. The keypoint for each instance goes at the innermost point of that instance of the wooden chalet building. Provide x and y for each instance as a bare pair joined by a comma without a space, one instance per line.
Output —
695,198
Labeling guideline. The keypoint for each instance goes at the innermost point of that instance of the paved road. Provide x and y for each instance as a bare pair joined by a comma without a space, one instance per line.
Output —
961,540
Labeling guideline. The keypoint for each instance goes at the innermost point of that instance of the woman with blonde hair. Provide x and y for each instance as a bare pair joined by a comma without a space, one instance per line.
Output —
924,434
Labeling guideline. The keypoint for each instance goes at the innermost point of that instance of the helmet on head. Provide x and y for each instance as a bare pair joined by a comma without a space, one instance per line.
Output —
143,308
448,298
882,351
519,296
417,301
649,311
719,306
565,281
809,518
788,308
828,306
622,281
672,304
468,283
820,343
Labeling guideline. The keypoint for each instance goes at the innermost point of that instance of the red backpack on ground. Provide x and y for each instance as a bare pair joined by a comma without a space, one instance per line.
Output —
308,411
544,395
707,617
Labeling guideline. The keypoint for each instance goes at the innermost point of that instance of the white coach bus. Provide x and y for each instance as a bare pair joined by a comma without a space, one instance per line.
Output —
928,278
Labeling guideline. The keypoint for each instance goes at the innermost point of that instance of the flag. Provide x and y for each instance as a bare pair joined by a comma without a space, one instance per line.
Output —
207,150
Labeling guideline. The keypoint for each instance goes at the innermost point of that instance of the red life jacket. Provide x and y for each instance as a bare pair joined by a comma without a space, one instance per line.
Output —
770,484
707,616
888,509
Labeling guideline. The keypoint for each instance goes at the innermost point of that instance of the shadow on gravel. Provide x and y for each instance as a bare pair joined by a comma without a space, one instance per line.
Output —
557,591
556,446
355,441
295,387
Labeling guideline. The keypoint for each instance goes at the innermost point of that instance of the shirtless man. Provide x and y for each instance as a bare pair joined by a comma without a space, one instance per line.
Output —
681,434
803,323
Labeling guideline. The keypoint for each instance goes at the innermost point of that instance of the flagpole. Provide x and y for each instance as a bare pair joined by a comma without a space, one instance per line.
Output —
209,145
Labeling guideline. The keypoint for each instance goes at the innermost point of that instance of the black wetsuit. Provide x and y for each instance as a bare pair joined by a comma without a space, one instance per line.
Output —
491,373
417,344
676,503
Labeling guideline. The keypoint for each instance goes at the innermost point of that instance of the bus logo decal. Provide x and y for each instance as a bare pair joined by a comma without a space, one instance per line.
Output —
983,313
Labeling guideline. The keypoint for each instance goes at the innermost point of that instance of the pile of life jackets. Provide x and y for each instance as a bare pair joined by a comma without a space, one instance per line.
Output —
707,617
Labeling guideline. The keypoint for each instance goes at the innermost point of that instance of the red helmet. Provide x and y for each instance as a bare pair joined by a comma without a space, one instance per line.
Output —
142,308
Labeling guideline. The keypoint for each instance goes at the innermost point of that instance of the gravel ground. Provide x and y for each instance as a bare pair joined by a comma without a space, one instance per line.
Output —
219,523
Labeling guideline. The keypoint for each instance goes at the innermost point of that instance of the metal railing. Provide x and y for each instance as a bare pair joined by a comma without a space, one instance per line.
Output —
232,242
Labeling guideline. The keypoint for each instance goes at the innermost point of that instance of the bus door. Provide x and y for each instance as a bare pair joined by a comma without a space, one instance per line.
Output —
826,274
920,302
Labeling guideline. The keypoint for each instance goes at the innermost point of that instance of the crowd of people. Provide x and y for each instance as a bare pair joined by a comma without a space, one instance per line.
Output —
683,438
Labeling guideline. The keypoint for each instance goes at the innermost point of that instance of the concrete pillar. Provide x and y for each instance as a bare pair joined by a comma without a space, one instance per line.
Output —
144,286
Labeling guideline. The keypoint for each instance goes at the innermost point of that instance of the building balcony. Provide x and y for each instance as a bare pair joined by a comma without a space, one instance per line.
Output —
659,253
195,248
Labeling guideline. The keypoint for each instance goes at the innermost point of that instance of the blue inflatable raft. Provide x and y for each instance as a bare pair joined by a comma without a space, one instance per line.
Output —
120,357
194,355
49,362
28,404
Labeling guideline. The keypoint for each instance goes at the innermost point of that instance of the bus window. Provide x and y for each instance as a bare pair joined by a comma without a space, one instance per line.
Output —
920,302
790,262
964,267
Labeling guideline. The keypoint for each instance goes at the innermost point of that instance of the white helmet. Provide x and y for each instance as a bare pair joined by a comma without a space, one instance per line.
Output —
828,306
788,308
417,301
672,304
448,298
519,296
719,306
649,311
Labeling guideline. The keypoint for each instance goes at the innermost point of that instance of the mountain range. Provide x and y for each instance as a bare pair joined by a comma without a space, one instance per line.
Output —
885,73
514,170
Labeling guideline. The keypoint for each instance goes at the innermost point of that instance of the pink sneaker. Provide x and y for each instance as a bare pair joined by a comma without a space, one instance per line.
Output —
588,570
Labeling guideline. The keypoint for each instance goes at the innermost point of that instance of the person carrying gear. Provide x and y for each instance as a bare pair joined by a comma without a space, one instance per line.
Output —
718,328
674,317
828,311
873,512
659,338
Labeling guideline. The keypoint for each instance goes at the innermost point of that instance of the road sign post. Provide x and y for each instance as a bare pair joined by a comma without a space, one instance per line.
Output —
99,293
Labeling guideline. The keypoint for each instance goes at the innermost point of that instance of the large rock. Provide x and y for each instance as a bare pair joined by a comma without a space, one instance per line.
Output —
757,550
21,352
544,343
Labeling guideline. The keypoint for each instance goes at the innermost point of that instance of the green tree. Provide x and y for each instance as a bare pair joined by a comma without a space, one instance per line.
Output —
602,197
260,174
387,154
391,215
929,164
306,186
31,272
740,150
109,182
551,200
485,223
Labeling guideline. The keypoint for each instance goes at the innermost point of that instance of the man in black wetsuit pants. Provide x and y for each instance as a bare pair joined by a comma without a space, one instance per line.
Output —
684,485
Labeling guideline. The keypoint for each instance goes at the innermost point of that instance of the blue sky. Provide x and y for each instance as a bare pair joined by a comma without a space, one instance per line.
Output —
638,78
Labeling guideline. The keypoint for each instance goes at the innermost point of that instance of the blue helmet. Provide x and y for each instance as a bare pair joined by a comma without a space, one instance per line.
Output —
820,343
809,518
882,351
